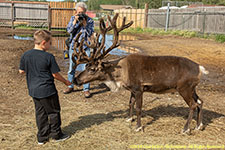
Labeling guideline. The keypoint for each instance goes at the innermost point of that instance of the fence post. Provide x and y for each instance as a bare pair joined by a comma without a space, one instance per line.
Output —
49,17
135,21
167,16
146,15
12,13
203,25
131,15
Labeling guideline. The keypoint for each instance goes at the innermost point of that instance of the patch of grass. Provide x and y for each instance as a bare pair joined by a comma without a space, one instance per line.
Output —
184,33
220,38
29,28
25,35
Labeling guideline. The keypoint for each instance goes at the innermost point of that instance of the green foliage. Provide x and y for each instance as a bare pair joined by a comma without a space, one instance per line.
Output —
183,33
95,4
220,38
139,29
214,2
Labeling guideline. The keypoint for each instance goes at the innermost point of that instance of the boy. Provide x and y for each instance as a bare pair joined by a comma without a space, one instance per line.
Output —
41,69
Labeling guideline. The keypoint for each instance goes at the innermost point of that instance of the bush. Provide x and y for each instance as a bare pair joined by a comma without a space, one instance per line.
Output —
139,29
220,38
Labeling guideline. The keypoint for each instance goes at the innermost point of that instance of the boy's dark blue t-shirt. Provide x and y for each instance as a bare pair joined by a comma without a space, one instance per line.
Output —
39,66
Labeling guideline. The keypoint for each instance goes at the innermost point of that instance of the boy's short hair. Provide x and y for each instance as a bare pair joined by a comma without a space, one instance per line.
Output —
42,35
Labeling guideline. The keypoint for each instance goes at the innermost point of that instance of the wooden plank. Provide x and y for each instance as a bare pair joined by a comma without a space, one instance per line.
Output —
12,13
135,19
49,18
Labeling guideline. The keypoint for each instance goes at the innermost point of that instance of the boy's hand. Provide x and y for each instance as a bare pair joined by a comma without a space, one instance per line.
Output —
68,83
59,77
21,71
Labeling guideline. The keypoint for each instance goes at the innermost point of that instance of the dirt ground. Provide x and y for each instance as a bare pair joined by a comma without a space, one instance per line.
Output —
99,122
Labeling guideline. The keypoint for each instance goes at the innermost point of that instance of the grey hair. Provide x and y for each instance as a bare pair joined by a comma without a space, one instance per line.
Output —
82,5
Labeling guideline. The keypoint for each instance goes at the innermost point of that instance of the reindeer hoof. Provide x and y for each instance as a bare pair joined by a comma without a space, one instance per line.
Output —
139,129
130,119
188,132
200,127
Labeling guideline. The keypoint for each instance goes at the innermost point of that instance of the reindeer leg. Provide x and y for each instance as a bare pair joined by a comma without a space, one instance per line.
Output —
131,107
139,100
186,129
199,111
199,116
187,96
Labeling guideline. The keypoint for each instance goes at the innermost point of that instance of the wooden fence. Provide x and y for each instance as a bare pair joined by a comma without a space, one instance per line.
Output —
205,20
58,14
12,13
36,14
137,15
61,13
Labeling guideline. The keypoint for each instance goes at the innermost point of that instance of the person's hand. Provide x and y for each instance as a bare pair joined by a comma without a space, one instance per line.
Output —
74,22
76,19
67,83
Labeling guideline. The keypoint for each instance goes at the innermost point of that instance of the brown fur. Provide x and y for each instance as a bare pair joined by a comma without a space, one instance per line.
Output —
157,74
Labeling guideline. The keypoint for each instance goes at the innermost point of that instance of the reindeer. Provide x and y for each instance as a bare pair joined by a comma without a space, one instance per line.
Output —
140,73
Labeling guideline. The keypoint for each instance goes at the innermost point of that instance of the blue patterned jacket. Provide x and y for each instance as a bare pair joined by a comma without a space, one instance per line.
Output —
86,31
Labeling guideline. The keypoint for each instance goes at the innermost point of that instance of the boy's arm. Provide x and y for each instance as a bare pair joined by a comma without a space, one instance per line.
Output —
59,77
22,65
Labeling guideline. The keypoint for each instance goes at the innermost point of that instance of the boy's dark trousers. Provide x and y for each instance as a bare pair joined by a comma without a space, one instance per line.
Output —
48,119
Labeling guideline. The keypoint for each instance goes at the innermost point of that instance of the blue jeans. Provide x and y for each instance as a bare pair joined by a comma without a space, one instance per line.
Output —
71,72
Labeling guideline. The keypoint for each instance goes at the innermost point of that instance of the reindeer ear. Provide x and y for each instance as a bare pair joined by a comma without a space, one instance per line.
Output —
107,64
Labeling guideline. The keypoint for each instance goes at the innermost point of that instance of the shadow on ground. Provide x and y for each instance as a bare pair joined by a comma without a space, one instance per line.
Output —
158,112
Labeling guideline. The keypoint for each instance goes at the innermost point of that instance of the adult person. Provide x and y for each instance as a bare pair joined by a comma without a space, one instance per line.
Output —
84,24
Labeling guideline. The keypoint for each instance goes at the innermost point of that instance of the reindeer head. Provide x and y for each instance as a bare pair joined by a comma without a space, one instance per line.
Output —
96,68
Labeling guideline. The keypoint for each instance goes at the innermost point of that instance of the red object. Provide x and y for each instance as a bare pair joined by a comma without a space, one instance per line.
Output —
91,14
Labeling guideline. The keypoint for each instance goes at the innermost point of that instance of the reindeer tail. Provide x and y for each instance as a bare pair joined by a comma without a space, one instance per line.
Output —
203,70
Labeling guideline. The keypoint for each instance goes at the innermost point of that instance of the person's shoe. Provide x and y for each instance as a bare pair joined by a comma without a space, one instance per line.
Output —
68,90
63,137
87,94
42,143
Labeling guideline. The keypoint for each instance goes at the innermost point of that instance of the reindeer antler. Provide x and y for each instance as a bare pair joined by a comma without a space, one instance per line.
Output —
99,51
80,55
116,31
